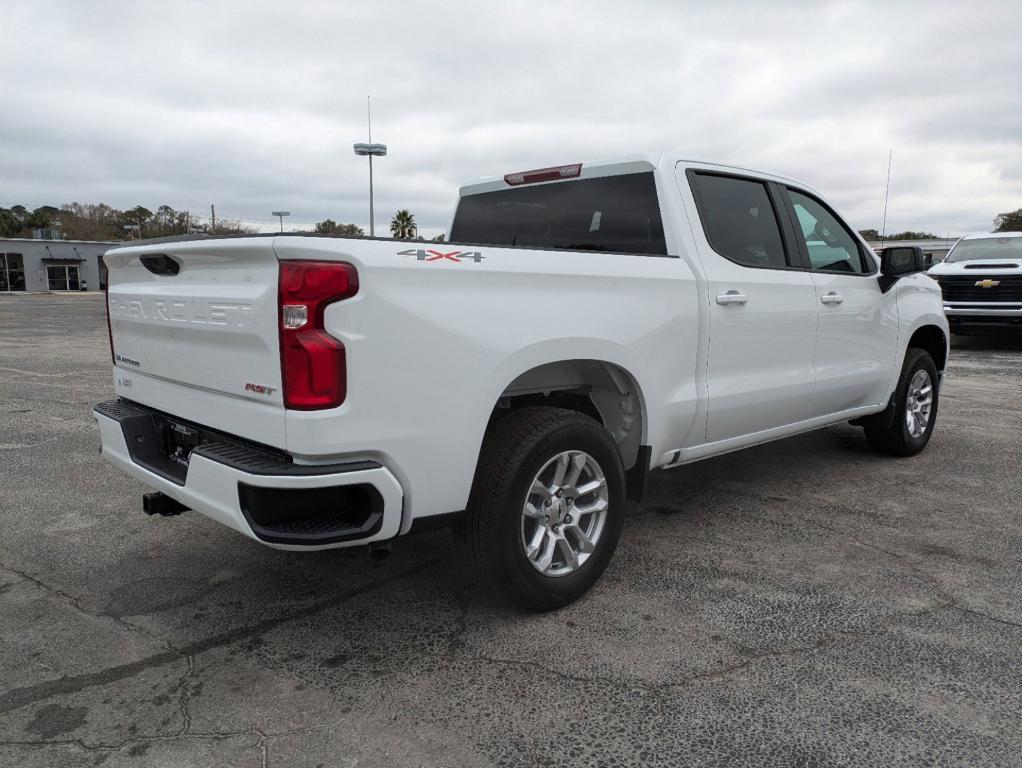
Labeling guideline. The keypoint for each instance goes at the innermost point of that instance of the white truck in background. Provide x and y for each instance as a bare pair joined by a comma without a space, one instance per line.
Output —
584,325
981,280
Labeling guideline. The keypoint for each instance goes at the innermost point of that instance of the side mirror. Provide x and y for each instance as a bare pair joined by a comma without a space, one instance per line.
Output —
898,261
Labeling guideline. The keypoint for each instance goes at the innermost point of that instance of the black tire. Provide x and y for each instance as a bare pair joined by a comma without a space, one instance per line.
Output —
893,437
490,537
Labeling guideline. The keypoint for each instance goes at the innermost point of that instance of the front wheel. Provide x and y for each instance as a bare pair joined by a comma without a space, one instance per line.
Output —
546,508
915,408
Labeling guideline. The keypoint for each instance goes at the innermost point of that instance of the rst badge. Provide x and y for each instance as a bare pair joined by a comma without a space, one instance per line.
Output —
259,389
457,257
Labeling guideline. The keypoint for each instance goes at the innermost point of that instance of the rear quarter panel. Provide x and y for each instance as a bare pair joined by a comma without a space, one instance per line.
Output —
432,344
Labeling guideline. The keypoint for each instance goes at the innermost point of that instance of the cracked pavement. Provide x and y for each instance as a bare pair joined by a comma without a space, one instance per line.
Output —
802,603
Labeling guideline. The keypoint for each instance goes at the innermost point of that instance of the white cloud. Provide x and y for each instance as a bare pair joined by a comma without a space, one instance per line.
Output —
254,106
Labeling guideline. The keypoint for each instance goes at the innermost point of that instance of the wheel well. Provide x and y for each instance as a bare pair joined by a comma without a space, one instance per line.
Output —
601,390
931,339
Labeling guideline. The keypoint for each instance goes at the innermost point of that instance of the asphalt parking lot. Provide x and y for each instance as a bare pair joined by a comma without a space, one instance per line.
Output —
806,603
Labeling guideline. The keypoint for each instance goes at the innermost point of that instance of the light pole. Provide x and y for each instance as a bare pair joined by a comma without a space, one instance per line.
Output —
371,150
280,215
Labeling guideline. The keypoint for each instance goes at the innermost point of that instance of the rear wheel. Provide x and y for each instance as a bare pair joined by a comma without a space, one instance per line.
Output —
546,508
915,408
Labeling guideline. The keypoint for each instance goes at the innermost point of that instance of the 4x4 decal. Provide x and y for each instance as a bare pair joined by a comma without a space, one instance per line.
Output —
431,255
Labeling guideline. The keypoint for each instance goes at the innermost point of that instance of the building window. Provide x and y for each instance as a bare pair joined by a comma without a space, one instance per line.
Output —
62,277
12,272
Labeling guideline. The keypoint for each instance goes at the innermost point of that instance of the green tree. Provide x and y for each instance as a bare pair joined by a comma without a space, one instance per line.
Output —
38,219
225,227
910,235
183,222
402,226
164,221
91,221
9,224
872,234
1009,222
138,215
331,227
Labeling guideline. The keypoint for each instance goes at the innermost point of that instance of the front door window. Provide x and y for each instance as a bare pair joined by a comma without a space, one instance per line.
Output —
832,248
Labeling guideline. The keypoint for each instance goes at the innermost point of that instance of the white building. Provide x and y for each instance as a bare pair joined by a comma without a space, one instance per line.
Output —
52,265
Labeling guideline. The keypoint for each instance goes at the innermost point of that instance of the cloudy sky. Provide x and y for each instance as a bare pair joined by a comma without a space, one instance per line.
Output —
255,106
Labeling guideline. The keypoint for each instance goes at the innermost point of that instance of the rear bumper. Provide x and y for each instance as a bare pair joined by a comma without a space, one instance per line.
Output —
256,492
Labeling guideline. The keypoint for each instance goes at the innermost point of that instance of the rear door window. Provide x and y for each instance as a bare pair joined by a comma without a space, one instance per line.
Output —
613,213
739,220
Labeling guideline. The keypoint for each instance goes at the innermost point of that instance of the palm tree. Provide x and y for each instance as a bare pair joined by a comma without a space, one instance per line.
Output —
402,226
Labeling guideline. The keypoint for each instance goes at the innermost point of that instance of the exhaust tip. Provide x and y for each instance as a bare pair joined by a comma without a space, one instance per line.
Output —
379,551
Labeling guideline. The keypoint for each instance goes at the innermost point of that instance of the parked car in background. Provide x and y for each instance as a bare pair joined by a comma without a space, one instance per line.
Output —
981,282
586,324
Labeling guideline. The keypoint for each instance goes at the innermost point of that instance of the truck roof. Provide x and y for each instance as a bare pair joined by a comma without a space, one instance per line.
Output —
990,235
616,166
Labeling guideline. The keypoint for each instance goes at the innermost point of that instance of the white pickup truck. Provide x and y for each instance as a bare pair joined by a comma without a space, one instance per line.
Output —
982,283
585,325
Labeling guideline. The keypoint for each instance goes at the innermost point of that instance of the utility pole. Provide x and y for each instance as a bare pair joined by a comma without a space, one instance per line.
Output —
369,116
280,215
212,218
370,149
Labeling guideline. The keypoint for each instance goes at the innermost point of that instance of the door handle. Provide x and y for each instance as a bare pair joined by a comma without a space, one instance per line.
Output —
832,297
732,297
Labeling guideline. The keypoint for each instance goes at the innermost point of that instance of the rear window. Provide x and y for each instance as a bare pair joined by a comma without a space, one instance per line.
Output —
739,220
613,213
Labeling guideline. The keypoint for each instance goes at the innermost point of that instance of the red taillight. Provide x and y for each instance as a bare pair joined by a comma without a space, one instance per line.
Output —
312,363
544,174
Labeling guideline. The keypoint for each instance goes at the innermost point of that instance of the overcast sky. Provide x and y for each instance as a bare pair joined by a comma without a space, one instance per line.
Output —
255,106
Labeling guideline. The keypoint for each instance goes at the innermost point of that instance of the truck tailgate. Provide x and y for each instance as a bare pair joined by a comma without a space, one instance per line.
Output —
194,332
